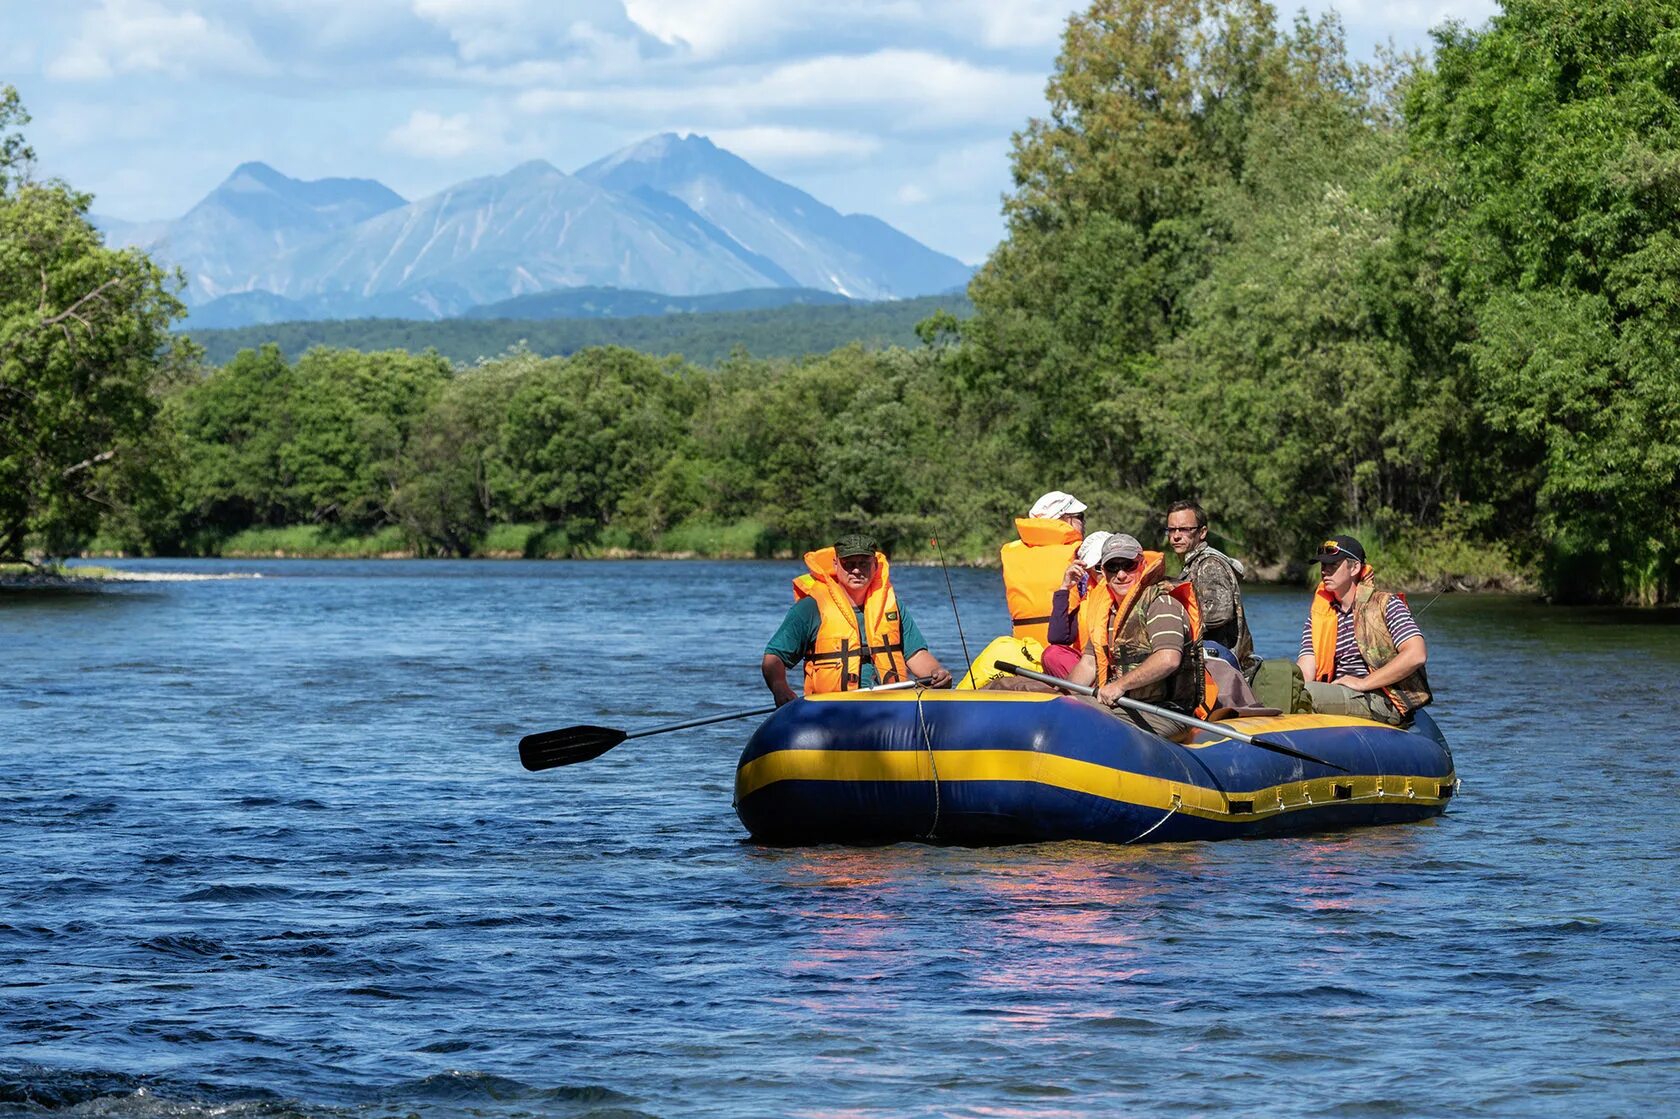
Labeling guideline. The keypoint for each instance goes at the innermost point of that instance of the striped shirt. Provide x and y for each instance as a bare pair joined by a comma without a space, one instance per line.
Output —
1349,660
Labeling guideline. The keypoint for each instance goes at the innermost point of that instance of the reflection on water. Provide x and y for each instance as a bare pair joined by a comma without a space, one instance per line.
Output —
265,850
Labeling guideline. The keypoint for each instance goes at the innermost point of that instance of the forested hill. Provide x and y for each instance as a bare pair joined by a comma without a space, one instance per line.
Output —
704,339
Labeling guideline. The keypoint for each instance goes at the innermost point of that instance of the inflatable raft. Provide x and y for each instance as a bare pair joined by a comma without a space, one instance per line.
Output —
1006,767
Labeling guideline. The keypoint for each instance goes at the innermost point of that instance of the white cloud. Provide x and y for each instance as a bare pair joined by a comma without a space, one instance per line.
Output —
709,28
912,89
1406,20
430,135
783,147
147,37
972,172
1013,23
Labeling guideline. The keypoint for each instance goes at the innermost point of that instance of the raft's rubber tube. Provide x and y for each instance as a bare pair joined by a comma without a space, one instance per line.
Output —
1016,767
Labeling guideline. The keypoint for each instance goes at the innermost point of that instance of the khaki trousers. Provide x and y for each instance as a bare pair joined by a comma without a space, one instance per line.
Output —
1339,699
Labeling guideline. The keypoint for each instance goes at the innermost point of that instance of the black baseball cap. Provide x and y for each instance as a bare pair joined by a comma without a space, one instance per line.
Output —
855,544
1339,548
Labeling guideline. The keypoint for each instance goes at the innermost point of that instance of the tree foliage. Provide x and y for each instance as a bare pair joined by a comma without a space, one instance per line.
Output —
1429,302
1550,143
84,347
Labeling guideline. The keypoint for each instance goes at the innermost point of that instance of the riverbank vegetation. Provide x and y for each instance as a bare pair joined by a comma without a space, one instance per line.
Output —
1433,302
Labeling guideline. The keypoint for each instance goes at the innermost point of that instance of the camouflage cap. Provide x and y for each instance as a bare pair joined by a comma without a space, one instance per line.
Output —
855,544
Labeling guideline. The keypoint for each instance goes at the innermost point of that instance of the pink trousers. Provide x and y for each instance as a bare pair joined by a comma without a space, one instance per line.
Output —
1058,660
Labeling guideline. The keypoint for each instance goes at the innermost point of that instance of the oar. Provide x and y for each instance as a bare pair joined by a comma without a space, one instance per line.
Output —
1187,720
570,745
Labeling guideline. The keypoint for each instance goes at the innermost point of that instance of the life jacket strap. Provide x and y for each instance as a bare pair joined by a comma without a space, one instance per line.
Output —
845,651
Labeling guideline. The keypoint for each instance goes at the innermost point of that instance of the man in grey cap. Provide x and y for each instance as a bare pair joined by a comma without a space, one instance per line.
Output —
1139,642
847,627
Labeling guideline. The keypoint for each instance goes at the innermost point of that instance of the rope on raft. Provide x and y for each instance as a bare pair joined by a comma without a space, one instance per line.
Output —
933,763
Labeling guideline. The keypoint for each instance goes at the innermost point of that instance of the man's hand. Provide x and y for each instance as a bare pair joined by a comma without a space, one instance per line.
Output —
1357,683
925,666
1111,691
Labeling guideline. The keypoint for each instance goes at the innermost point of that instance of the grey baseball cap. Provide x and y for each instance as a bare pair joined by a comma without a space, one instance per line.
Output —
1121,546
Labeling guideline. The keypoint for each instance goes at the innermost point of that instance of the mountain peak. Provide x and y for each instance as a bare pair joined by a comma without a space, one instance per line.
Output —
256,173
534,169
666,148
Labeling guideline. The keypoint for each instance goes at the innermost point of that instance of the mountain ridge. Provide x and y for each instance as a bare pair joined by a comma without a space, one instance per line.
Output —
673,215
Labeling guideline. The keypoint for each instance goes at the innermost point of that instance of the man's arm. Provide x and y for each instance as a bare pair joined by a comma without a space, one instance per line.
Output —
775,675
924,664
1168,628
1216,593
1156,666
1410,657
1304,660
789,645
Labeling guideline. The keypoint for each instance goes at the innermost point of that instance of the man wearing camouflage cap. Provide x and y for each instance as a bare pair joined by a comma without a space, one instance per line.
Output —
847,627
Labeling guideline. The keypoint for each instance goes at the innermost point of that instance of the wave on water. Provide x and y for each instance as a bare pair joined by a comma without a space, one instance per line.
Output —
239,893
37,1090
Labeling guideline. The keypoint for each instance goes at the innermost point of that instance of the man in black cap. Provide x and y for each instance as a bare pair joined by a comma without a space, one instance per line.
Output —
1361,651
847,626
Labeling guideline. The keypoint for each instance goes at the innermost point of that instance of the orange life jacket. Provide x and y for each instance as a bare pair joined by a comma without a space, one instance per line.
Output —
1103,619
1033,567
835,663
1370,632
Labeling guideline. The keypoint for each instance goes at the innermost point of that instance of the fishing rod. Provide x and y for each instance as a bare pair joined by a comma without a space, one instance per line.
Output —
954,611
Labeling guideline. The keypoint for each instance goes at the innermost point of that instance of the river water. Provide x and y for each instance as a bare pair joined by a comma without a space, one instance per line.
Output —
266,850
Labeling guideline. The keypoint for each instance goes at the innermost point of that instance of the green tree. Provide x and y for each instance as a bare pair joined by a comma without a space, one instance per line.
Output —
84,351
234,424
1123,207
452,480
582,433
351,416
1548,157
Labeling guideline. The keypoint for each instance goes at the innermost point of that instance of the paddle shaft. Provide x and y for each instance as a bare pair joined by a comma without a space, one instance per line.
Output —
550,749
1162,712
749,714
701,722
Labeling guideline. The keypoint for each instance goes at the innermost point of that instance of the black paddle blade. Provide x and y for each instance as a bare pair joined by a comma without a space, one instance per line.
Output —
550,748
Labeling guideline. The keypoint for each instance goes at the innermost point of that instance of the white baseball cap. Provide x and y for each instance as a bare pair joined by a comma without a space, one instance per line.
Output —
1090,549
1056,504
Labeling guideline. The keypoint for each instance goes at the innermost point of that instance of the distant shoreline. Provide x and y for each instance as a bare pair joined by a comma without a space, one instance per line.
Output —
1406,581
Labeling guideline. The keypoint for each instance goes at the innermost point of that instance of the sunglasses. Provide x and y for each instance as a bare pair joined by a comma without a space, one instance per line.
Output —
1116,566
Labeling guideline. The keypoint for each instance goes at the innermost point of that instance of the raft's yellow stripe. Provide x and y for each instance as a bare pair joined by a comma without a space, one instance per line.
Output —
1075,776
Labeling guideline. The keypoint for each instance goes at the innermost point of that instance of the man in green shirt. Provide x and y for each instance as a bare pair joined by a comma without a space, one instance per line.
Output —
847,627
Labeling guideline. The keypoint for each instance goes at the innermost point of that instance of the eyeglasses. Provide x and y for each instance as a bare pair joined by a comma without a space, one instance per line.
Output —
1174,530
1116,566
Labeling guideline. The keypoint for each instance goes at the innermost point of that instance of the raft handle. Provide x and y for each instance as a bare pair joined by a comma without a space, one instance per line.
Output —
1341,791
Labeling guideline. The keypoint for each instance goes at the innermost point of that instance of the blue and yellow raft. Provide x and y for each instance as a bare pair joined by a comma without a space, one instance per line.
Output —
1000,767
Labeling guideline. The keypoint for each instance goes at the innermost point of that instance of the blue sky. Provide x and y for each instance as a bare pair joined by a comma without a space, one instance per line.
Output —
898,108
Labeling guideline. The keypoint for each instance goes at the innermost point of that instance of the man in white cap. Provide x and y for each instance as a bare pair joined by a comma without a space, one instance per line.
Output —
1034,564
